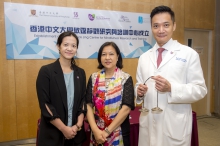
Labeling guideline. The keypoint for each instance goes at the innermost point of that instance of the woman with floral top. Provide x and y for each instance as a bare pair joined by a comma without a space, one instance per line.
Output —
110,98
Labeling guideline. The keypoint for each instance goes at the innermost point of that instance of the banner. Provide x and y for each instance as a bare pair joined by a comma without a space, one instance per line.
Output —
31,31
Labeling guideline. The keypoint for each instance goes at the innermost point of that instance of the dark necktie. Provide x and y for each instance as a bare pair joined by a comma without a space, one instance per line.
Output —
159,58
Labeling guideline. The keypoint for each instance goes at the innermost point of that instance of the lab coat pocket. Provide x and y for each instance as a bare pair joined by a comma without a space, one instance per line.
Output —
177,65
174,124
143,119
176,71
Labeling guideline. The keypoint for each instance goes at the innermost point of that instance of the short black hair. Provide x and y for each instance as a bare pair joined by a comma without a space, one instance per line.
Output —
60,40
117,50
162,9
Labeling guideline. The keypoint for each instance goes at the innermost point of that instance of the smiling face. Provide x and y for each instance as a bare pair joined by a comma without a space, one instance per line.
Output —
109,58
162,27
68,48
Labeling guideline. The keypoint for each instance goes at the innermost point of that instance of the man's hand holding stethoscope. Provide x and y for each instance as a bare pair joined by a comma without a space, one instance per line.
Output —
161,84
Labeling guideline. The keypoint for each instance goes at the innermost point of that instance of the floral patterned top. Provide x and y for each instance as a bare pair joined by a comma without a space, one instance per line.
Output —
107,96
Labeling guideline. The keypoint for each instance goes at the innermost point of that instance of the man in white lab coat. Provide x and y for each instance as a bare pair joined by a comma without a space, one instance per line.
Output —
178,79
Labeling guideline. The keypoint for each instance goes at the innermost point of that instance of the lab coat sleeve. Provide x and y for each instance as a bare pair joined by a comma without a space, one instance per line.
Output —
194,87
139,81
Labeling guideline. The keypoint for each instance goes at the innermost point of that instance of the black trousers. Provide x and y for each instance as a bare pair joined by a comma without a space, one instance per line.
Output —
71,143
126,140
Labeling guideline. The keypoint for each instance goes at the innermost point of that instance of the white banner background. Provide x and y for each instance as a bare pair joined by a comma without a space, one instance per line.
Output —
32,31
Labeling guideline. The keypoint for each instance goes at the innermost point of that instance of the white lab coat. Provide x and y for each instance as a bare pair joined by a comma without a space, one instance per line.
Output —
181,67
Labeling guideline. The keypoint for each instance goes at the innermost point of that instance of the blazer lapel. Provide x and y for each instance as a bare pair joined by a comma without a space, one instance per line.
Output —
76,85
60,82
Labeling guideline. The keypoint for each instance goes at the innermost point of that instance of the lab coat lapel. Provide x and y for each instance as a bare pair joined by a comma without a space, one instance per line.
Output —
153,56
170,54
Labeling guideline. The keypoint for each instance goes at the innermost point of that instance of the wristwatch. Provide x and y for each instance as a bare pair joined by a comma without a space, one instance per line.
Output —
79,128
107,131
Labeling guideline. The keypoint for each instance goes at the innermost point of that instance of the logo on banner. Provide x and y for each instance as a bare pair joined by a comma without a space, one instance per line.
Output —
33,13
52,14
75,15
102,18
124,19
91,17
140,19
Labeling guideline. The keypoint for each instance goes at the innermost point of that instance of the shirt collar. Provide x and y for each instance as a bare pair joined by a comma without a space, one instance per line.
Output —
167,45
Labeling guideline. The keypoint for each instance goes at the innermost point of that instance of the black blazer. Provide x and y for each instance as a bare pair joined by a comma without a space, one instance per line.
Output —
51,91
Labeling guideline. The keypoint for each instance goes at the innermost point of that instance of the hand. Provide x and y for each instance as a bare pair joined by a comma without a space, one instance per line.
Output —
161,84
68,132
99,137
141,90
75,129
105,134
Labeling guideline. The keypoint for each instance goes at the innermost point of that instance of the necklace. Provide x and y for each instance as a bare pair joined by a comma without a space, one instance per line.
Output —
107,81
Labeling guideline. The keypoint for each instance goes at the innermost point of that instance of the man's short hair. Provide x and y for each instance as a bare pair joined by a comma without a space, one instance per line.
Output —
162,9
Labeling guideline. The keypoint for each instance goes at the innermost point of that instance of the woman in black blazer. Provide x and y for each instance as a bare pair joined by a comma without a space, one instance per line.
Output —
61,90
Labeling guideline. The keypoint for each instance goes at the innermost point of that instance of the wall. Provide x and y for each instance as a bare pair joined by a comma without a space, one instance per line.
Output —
19,108
217,59
201,15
